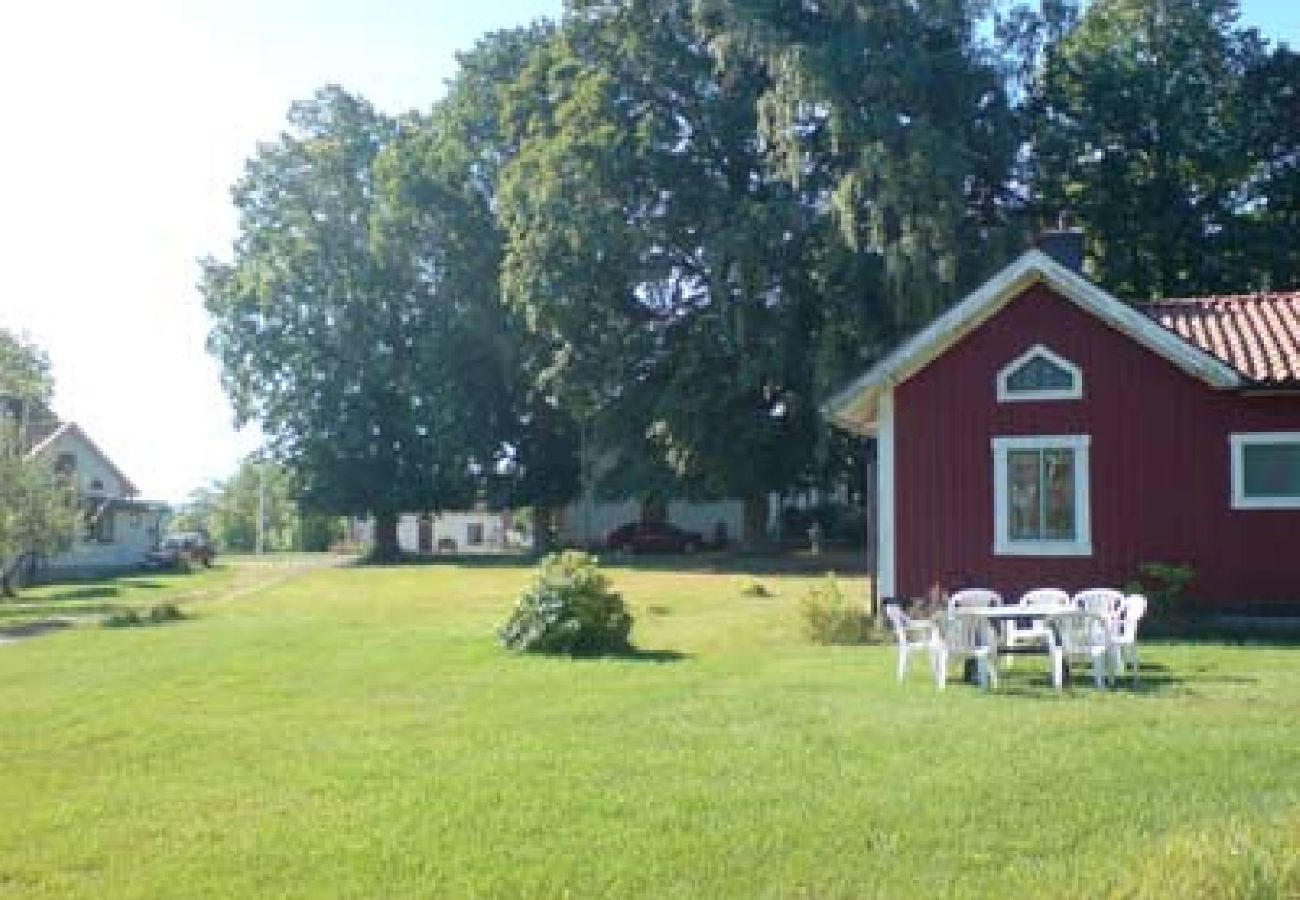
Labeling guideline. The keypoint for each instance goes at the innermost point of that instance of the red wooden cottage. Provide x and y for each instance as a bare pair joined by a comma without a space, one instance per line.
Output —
1042,433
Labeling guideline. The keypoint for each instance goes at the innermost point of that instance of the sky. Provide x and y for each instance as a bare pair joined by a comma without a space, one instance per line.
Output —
126,124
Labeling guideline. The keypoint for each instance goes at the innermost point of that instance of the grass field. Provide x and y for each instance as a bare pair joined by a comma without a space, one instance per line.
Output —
355,732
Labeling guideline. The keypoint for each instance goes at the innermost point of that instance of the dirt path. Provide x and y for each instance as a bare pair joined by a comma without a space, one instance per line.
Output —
252,575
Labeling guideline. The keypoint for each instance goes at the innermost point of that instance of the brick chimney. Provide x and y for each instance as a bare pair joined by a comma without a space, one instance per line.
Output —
1064,243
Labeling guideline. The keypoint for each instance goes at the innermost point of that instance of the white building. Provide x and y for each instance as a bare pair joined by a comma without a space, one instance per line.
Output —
465,531
116,529
588,521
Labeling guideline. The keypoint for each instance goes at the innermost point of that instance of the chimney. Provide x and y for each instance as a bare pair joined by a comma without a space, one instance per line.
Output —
1064,243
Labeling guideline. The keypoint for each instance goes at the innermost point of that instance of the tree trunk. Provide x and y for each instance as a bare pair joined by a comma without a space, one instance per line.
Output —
754,526
11,575
386,548
542,527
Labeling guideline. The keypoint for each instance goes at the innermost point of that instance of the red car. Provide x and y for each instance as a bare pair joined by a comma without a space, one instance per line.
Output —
654,537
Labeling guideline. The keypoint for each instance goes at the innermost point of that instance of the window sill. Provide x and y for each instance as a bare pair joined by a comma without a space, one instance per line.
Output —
1266,502
1043,548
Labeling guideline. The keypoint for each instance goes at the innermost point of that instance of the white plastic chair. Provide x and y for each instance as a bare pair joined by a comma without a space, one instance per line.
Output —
1104,602
974,598
912,634
958,637
1036,632
1079,635
1123,636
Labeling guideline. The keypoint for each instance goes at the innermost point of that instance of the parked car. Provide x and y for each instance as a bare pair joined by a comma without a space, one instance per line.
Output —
192,546
654,537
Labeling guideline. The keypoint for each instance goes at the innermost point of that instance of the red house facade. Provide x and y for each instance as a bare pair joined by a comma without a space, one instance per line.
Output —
1042,433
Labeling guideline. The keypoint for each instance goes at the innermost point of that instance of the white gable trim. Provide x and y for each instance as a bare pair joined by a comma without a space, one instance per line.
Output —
854,407
886,572
73,432
1007,395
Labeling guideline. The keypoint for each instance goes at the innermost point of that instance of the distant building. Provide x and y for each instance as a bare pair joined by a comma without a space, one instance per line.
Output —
116,529
464,531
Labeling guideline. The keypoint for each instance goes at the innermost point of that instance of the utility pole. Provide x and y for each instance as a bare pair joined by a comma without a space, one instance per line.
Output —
261,505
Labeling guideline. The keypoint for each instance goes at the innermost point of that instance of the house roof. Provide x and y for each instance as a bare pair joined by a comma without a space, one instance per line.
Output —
1256,334
72,430
854,408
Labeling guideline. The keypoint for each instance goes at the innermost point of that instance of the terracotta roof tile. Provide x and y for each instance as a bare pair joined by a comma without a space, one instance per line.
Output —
1256,334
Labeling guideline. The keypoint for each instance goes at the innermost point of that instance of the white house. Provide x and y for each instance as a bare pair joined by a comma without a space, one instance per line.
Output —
116,528
588,521
463,531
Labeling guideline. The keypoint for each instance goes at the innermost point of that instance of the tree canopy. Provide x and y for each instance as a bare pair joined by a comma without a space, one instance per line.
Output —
37,513
351,335
668,229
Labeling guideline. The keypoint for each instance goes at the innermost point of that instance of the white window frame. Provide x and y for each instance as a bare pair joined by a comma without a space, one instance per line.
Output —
1007,395
1003,545
1239,441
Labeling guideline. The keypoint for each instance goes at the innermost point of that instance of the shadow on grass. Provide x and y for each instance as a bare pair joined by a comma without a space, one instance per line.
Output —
632,654
651,656
96,592
34,629
1153,679
724,562
26,610
456,560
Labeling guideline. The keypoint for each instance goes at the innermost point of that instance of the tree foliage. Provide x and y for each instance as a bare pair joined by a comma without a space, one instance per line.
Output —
352,336
37,510
1138,128
711,203
667,230
260,490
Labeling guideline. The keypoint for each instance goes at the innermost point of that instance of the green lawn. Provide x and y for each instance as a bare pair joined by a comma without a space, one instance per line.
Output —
355,732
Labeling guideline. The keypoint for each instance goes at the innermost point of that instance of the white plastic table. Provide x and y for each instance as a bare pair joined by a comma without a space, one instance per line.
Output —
1006,614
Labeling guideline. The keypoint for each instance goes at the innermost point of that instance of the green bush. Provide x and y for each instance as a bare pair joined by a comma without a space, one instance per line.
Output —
127,618
831,618
165,612
1165,586
155,615
568,609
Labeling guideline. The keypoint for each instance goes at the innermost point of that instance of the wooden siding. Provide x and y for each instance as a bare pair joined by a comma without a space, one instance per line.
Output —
1160,465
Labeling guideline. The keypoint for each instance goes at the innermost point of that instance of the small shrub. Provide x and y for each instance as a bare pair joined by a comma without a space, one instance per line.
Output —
568,609
155,615
755,588
831,618
1165,586
165,612
127,618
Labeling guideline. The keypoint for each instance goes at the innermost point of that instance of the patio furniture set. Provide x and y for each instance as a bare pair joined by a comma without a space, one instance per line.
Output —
1097,626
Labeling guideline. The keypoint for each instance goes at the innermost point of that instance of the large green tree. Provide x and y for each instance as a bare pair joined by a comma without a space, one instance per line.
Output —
1270,104
1138,129
716,206
449,165
351,336
37,511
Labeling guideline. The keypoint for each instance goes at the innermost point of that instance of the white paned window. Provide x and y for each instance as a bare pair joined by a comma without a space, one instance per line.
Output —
1040,496
1266,470
1039,374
